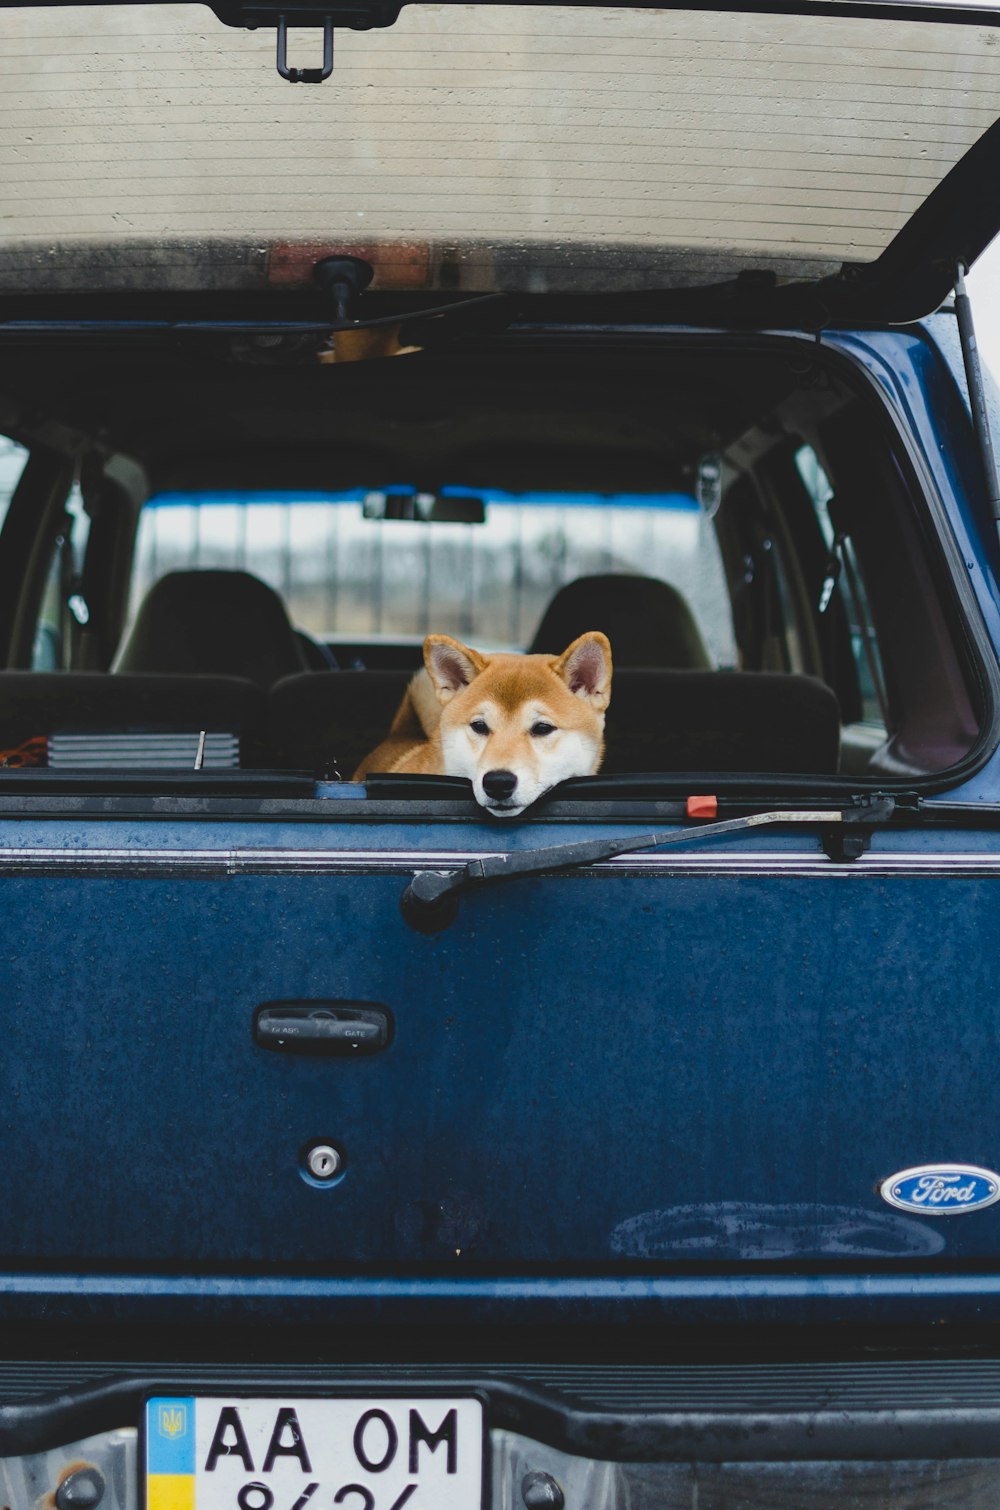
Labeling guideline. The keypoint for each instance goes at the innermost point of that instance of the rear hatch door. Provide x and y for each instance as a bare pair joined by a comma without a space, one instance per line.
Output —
798,166
670,1060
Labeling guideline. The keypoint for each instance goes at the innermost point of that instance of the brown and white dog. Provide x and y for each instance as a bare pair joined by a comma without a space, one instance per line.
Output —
515,725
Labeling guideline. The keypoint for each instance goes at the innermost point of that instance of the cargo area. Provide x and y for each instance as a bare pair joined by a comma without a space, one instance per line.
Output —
226,535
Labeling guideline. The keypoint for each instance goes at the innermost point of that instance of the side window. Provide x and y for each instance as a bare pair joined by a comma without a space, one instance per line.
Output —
757,559
844,576
12,459
64,609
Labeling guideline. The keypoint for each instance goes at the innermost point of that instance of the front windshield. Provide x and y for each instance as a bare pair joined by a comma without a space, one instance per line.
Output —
350,577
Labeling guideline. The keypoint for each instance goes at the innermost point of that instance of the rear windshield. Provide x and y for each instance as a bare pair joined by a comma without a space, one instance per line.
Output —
516,147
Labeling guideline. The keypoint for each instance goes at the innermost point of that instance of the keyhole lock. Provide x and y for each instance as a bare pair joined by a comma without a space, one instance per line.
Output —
322,1163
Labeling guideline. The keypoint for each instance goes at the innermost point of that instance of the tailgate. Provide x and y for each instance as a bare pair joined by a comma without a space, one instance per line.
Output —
658,1063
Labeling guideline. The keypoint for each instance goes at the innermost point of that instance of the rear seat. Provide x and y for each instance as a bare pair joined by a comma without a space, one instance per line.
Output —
330,720
755,721
59,703
659,720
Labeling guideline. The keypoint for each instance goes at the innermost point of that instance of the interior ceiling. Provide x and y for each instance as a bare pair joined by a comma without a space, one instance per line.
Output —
591,419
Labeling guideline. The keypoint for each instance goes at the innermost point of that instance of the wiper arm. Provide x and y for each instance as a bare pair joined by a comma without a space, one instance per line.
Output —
430,902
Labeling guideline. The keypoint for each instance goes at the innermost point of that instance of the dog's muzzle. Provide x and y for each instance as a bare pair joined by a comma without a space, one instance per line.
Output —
499,785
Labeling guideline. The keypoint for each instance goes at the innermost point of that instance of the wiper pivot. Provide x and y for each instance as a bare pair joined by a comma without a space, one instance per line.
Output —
430,902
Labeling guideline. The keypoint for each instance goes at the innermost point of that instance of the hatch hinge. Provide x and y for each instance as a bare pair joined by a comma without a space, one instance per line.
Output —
977,393
305,75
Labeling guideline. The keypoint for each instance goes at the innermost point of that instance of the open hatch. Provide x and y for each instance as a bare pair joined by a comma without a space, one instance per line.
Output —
798,167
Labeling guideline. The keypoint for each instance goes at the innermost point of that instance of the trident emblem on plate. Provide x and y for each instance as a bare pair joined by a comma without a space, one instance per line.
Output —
173,1421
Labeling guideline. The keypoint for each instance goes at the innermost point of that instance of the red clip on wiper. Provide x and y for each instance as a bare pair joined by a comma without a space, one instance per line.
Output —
430,902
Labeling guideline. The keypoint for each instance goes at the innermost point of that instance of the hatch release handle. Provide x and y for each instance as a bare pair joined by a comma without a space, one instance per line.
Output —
305,75
347,1028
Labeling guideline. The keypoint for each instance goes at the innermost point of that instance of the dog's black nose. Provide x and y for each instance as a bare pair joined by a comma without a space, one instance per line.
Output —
499,784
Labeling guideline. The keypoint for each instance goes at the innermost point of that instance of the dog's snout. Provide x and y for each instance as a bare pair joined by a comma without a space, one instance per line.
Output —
499,784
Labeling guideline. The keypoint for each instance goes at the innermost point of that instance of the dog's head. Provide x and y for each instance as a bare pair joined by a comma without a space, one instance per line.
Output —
515,725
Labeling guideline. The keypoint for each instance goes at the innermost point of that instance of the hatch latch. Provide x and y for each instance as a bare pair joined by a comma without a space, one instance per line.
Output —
305,75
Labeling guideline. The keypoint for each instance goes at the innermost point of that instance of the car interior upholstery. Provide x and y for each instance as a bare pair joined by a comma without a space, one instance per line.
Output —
657,720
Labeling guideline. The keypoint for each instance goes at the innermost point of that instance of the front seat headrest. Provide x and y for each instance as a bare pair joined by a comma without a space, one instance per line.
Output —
647,621
228,623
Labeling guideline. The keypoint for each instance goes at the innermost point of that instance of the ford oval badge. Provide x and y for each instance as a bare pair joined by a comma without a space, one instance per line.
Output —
941,1189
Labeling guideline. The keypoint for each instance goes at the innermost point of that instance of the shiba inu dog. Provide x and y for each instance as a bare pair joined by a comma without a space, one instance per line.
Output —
515,725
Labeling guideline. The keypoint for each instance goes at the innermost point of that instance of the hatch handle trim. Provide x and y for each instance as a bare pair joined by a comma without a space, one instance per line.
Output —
305,75
348,1029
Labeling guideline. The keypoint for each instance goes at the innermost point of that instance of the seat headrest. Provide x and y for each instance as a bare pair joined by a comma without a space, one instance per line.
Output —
333,718
227,623
755,721
647,621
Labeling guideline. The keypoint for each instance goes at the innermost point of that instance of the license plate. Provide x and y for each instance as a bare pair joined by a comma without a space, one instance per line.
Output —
382,1453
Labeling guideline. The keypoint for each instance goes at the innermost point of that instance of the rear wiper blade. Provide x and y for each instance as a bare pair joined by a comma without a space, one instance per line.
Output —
430,902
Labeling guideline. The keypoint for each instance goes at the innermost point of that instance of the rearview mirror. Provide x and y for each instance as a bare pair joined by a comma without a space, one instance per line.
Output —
429,508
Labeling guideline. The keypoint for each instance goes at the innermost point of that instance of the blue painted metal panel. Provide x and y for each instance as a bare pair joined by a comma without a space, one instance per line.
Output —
602,1072
914,368
919,371
609,1096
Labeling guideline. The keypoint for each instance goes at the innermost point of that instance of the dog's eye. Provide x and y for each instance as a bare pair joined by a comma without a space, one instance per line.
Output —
479,726
540,729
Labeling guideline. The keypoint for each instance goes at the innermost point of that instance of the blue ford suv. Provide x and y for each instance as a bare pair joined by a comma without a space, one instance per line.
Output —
362,1150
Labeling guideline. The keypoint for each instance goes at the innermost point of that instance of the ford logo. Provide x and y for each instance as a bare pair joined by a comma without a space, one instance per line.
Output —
941,1189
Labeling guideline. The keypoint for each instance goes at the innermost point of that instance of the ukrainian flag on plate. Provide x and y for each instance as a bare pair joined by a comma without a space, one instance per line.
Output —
170,1454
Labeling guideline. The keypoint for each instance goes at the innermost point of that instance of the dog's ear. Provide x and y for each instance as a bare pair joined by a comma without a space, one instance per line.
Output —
451,665
586,668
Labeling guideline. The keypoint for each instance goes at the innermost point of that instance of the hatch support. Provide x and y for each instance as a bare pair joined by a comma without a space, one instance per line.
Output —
977,393
305,75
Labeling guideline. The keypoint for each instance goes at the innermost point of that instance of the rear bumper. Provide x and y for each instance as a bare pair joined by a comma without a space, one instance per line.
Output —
895,1433
626,1413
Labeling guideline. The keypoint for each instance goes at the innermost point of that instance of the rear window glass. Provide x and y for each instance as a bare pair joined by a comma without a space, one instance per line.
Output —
522,147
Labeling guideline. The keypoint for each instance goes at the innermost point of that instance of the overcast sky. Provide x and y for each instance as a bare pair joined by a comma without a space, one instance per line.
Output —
983,284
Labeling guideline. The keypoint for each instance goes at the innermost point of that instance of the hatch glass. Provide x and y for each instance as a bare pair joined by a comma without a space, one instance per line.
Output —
150,147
